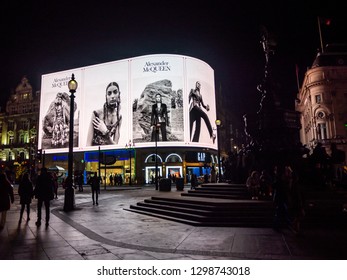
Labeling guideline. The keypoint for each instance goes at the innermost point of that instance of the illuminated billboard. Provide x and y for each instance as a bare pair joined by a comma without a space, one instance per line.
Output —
165,98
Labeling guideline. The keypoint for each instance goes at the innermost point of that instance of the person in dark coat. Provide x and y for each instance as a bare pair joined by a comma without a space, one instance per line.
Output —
44,192
25,191
95,184
6,198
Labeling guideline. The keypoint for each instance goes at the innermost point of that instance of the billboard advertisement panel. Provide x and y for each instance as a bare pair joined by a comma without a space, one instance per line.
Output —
168,98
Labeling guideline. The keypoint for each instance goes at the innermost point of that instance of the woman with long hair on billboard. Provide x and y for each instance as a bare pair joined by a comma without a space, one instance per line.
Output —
196,113
106,122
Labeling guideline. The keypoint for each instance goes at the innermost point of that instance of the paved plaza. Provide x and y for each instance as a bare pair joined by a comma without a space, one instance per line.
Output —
108,232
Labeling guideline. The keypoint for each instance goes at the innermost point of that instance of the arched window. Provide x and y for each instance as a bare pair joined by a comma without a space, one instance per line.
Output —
173,158
151,158
322,131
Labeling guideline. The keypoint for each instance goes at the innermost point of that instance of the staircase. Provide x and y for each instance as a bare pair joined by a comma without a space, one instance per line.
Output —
210,205
220,190
229,205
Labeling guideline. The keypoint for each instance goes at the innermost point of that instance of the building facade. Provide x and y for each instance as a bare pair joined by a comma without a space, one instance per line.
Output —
322,102
19,131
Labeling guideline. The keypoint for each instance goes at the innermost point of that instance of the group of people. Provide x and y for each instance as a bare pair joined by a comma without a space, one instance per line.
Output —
116,179
281,185
43,191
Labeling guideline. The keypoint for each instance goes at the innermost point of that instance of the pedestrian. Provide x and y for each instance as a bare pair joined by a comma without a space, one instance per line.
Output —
193,181
6,198
297,205
281,183
56,185
25,192
80,182
95,184
265,184
44,192
111,179
253,184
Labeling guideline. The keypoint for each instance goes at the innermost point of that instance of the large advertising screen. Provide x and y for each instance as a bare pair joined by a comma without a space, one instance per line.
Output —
168,99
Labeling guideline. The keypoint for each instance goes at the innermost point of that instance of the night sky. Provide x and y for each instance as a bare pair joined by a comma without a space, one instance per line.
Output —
40,37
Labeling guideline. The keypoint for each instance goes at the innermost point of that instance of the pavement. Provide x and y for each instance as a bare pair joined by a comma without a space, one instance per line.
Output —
108,232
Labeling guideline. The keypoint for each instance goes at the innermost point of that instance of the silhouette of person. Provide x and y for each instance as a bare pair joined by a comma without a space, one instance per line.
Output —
193,181
282,178
159,118
338,158
196,114
95,185
106,122
6,198
253,184
80,182
25,191
44,192
56,185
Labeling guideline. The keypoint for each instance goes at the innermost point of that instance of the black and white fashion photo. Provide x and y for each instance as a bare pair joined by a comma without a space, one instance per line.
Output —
56,123
106,122
196,114
158,111
159,119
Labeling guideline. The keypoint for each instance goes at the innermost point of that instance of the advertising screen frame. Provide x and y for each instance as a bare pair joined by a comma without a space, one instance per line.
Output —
124,100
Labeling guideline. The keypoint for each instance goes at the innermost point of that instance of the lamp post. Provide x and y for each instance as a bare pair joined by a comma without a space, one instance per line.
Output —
130,147
157,126
69,200
218,124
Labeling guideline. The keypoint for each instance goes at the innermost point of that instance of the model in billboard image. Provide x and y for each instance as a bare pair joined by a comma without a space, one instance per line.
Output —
159,118
106,122
196,114
56,122
160,103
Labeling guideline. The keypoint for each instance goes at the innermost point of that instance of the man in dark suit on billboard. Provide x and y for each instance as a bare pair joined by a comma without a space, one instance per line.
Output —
159,118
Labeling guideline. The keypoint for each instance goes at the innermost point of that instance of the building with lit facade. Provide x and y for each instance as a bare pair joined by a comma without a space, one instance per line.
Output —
322,101
114,127
18,130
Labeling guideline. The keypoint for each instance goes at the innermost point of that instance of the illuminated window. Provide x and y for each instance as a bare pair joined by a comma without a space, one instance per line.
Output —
21,138
322,131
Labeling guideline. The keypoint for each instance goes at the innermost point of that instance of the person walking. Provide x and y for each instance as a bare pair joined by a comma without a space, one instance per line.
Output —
6,198
25,191
253,184
44,192
95,184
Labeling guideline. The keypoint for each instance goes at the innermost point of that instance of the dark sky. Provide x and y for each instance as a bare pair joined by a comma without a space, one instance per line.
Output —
40,37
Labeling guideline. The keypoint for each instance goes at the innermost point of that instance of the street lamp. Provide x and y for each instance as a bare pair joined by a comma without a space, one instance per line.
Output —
69,200
157,126
130,147
218,124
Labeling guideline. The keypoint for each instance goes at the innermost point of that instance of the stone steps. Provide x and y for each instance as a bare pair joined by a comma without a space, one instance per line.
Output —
230,205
